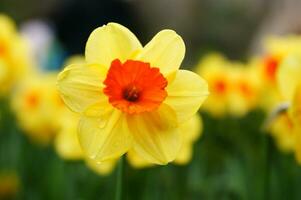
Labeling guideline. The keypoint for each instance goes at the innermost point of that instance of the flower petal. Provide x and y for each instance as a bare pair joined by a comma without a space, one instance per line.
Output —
81,85
101,168
136,161
186,94
104,138
165,51
185,154
191,129
110,42
288,75
66,142
156,136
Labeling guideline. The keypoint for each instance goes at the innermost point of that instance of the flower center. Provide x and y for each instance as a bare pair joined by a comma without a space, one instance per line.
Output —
32,99
134,86
270,67
220,86
131,93
3,49
245,89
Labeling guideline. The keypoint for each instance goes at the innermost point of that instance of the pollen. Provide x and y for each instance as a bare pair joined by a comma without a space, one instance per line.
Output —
131,93
134,86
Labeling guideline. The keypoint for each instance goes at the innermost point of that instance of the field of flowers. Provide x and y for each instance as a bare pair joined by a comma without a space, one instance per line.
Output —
125,120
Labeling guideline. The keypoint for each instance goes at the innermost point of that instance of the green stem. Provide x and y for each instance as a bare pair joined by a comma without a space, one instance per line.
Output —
119,179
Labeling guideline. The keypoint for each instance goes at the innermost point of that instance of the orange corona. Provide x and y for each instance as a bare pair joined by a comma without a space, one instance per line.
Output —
270,67
134,86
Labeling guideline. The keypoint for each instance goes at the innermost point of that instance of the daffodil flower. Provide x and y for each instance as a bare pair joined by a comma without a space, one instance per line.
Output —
289,84
38,106
131,96
233,86
15,58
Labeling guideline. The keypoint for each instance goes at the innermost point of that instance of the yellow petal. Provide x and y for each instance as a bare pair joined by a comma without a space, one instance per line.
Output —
67,146
137,161
165,51
185,154
191,129
7,27
288,75
104,138
66,141
295,108
81,85
101,168
78,59
109,42
156,137
186,94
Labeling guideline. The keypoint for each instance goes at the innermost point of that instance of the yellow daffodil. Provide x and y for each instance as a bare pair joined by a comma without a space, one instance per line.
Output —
191,130
276,49
289,83
15,59
288,75
265,73
131,97
244,89
37,105
281,46
282,130
233,86
295,112
213,68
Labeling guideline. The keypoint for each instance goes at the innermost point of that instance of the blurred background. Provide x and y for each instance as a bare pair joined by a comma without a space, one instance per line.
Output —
233,159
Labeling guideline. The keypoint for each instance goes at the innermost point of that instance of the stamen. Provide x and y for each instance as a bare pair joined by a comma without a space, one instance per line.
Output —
131,93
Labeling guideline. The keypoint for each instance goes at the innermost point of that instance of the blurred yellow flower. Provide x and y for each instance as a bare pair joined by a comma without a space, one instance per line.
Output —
280,46
233,86
37,106
213,68
245,89
277,49
295,113
9,185
268,93
191,130
289,82
282,130
15,58
131,97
